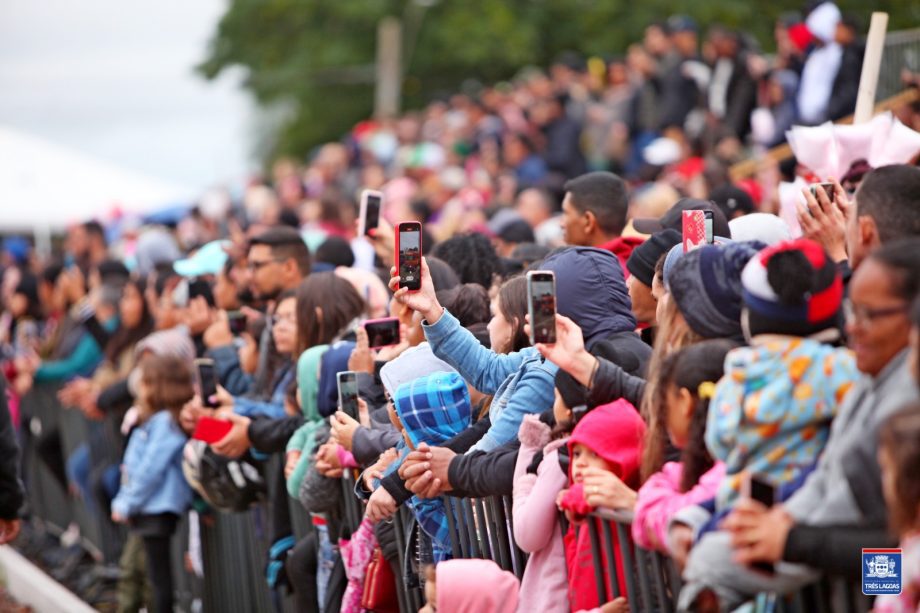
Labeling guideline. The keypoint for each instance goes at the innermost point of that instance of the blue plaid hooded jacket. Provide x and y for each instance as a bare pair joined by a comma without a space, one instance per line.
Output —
433,409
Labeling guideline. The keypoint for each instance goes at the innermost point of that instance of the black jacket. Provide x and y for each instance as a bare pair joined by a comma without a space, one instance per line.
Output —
835,550
11,491
271,435
846,83
740,98
458,444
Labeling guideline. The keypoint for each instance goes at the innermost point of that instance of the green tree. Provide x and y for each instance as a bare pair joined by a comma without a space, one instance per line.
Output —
318,55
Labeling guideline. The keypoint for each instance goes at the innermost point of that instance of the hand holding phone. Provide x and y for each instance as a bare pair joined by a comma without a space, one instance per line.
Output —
207,381
237,322
409,255
348,393
541,306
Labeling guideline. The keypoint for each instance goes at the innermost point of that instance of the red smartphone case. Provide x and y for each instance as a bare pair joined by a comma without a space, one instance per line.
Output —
694,230
211,430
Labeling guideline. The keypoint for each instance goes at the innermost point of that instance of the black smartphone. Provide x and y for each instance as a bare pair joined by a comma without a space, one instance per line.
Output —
348,393
207,381
828,189
237,321
541,306
369,216
710,236
382,332
760,489
409,254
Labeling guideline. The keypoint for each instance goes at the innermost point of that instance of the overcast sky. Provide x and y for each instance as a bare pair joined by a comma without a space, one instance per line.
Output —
114,79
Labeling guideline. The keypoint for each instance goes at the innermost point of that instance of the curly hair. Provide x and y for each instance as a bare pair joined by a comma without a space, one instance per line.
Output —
472,257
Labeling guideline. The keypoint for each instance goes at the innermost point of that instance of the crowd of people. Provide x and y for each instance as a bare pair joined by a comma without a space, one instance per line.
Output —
679,380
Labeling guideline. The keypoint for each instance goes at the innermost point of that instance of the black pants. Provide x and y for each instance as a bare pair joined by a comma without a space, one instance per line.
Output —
157,531
301,567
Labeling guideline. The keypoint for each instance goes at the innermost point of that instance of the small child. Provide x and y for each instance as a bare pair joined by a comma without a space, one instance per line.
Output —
772,411
544,586
608,439
899,457
688,378
470,586
154,492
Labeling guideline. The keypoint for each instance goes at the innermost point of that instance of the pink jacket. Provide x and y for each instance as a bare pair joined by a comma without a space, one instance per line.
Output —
536,524
660,498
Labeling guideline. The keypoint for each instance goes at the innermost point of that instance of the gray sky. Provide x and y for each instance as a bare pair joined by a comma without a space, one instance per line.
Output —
113,78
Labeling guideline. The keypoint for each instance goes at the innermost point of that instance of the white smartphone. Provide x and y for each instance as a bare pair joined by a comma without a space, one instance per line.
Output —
369,215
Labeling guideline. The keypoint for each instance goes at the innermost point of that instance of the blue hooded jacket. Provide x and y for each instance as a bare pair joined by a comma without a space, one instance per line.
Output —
589,289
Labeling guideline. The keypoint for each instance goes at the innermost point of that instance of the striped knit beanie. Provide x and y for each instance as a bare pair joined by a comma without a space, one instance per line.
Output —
706,285
792,288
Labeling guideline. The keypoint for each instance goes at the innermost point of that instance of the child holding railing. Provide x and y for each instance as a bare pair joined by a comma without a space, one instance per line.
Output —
688,378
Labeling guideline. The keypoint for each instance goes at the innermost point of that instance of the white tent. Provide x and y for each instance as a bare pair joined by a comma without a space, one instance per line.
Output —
45,186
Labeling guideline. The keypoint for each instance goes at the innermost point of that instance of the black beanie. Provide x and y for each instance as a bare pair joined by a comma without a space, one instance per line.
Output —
572,392
642,260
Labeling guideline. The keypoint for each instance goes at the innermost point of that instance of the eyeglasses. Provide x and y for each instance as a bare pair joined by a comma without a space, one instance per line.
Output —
284,319
856,313
254,266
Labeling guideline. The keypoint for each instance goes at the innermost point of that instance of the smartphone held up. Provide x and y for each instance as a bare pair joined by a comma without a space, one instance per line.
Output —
348,393
541,306
382,332
409,255
207,381
369,216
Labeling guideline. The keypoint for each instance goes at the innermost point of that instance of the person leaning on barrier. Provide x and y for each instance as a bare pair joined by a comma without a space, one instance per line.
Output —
845,488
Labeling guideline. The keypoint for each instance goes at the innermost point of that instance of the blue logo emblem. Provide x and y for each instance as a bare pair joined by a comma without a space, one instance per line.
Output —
881,571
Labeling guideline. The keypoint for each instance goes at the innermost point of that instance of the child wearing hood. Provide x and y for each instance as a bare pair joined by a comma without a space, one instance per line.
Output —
772,411
607,439
538,479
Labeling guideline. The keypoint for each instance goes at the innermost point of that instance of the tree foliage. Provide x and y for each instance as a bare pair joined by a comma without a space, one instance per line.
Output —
319,54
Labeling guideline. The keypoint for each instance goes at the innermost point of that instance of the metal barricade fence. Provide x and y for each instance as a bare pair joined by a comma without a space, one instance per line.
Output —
653,581
902,52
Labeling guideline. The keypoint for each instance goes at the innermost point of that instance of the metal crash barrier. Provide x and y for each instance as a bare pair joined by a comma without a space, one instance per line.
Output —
233,545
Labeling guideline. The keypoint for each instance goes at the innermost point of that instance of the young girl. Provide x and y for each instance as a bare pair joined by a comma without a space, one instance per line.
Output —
606,442
688,377
899,456
544,585
154,492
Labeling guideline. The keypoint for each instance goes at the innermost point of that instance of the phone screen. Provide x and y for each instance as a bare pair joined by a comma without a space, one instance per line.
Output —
710,238
237,322
542,308
372,217
382,332
348,393
207,381
410,257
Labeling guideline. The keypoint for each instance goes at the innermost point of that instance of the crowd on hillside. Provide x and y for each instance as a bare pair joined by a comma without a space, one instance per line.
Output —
679,381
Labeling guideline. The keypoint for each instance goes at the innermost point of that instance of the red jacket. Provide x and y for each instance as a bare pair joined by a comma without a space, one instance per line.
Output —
622,247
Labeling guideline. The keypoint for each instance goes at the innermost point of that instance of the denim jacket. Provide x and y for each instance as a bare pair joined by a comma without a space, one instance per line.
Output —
520,382
152,479
274,407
